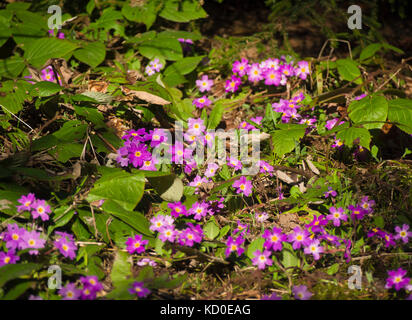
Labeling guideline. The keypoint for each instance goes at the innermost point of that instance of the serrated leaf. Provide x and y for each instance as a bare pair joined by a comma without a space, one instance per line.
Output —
216,115
284,140
183,11
92,54
349,135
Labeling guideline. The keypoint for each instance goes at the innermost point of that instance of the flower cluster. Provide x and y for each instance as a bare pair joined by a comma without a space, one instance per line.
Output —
38,208
88,289
153,67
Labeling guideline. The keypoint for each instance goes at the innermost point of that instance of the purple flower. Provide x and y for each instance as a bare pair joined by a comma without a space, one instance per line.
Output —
8,258
87,293
336,215
299,237
367,204
196,126
167,233
317,224
330,192
136,244
209,139
265,167
156,136
66,247
397,279
261,217
26,202
262,259
211,170
40,209
331,123
202,102
357,213
272,77
301,292
156,65
388,239
178,209
241,67
273,296
234,245
191,235
198,181
374,232
159,221
14,237
403,233
32,240
302,70
331,238
199,210
139,154
232,84
145,262
204,84
255,73
139,290
70,292
274,239
243,186
91,282
363,95
234,163
135,135
287,70
314,248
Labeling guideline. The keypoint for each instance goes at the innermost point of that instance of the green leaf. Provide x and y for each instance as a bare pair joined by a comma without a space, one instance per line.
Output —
11,67
256,244
166,48
92,54
400,113
99,97
18,290
211,229
284,140
142,14
350,134
289,258
92,115
369,51
371,108
170,187
121,187
121,269
45,88
216,115
182,11
348,70
66,151
39,51
15,271
333,269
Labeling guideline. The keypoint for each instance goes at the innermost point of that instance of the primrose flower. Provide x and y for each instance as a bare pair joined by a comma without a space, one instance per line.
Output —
26,202
139,290
156,137
190,236
330,192
317,223
336,215
337,143
40,209
233,84
211,170
331,123
198,181
246,126
14,237
149,70
234,245
331,238
234,163
262,259
196,126
243,186
202,102
314,248
265,167
8,258
272,77
302,70
261,217
136,244
209,139
204,84
241,67
150,165
156,65
375,231
139,155
70,292
66,247
388,239
274,239
287,70
138,135
367,204
403,233
91,282
32,240
178,209
363,95
254,73
145,262
160,221
357,212
299,237
199,210
301,292
167,233
241,228
273,296
87,293
397,279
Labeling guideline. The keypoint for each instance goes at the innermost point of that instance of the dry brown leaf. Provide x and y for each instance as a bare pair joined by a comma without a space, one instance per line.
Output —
143,95
97,86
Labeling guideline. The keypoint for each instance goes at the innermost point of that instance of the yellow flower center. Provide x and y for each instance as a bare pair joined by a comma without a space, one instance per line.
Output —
137,153
6,260
137,245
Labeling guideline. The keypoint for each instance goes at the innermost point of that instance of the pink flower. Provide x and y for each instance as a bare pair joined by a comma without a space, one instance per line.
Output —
211,170
403,233
139,290
336,215
233,84
302,70
314,248
240,67
243,186
255,73
40,209
202,102
136,244
301,292
204,84
397,279
262,259
26,202
272,77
